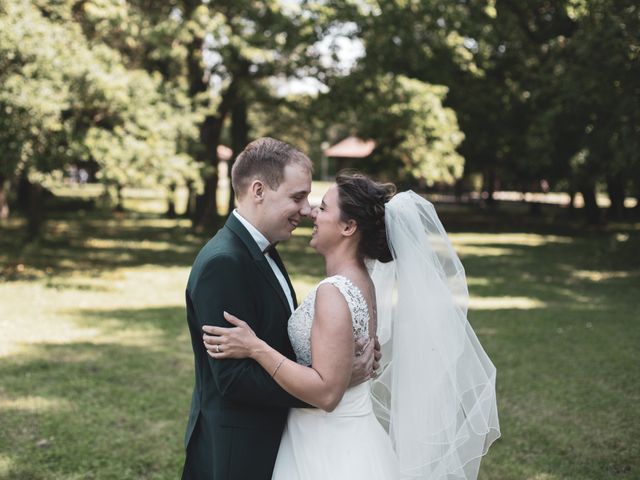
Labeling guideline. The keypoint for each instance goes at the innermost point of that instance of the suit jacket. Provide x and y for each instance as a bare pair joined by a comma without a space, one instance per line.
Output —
238,411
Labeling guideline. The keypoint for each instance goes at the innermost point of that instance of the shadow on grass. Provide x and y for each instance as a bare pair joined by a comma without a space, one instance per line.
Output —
97,243
575,270
117,409
104,409
545,271
565,383
164,324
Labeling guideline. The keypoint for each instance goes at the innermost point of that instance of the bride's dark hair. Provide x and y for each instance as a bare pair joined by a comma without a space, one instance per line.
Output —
363,200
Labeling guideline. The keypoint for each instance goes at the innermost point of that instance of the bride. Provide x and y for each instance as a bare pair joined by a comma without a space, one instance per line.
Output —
431,412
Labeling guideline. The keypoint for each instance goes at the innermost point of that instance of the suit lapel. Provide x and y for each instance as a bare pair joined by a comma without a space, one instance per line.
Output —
261,262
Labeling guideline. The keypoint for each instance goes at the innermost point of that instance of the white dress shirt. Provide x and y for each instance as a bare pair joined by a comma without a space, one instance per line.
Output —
263,243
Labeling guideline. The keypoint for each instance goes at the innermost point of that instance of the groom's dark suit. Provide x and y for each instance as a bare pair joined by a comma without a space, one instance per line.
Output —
238,411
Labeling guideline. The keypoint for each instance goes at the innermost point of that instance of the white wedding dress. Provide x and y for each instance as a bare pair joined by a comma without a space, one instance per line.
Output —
348,443
436,388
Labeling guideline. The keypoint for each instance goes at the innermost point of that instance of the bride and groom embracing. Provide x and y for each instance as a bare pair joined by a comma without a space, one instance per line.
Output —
279,391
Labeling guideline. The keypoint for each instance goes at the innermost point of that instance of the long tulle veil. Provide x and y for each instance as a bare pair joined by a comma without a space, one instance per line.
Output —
436,389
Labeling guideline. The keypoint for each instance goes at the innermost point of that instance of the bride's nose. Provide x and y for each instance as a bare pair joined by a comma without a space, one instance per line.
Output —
314,212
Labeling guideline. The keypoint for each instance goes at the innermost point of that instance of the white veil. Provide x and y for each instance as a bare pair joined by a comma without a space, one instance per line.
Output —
436,388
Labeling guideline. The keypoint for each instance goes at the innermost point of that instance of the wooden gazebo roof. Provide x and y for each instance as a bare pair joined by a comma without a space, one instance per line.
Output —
224,153
351,147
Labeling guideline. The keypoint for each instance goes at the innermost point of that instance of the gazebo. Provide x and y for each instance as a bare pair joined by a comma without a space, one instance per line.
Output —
349,148
224,153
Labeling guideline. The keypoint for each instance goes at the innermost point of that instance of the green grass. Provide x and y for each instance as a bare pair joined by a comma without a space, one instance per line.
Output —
96,367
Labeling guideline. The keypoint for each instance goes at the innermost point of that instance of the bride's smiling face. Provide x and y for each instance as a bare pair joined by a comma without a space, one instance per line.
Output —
327,225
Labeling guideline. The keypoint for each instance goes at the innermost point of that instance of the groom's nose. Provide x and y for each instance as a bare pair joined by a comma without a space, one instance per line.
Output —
305,211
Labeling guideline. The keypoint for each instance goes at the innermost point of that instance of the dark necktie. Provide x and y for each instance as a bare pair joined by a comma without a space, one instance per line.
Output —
270,250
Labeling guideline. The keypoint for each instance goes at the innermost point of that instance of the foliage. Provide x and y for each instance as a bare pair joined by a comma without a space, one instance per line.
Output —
416,135
536,86
146,91
65,99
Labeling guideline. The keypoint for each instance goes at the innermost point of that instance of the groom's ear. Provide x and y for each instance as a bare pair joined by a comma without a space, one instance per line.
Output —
257,191
350,227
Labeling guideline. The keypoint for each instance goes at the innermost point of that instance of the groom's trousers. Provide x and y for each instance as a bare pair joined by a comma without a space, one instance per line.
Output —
239,453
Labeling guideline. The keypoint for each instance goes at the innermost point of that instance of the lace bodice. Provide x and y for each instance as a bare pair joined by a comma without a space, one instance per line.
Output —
301,320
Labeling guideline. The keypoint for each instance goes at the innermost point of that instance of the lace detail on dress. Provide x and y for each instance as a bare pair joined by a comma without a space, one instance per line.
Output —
300,322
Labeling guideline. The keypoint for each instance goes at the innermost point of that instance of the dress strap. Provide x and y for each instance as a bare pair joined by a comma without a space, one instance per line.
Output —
355,301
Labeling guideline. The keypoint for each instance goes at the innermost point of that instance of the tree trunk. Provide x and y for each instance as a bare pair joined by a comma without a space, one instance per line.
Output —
191,199
572,199
5,186
591,210
458,189
35,210
119,199
615,190
239,140
206,211
23,192
206,208
171,202
490,187
571,206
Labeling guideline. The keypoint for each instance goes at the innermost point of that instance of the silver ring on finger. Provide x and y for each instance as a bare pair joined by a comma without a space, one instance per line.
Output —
217,348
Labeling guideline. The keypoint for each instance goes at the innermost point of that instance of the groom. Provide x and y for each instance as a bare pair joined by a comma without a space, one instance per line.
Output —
238,411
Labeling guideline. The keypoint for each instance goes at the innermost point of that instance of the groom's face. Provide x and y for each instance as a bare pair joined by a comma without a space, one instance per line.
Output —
284,208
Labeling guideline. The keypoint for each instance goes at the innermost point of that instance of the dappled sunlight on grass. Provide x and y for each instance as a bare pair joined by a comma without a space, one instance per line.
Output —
5,464
134,245
575,297
599,276
506,302
124,403
35,404
55,310
91,243
142,223
477,281
145,327
467,250
526,239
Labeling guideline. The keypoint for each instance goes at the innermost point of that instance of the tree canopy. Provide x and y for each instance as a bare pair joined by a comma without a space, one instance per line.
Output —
144,92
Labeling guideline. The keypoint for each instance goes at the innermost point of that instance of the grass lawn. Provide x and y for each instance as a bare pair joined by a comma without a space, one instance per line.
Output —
96,368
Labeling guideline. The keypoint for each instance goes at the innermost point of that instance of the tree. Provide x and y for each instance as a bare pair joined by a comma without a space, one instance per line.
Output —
542,90
416,135
66,98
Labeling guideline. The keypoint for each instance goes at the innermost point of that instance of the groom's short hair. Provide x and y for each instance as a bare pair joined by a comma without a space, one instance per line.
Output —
265,159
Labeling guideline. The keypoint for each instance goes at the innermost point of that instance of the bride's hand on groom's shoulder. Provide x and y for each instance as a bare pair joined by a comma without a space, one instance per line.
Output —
239,341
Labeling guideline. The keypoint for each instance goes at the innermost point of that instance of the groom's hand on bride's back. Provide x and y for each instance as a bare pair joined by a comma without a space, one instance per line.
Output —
365,361
377,355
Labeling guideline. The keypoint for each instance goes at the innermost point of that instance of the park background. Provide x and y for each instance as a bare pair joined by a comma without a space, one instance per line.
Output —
119,121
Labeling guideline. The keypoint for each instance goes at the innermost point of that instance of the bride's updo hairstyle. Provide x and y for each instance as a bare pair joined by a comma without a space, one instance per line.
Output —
363,200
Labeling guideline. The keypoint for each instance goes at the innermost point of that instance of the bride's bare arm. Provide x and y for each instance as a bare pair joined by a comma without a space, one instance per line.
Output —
324,383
